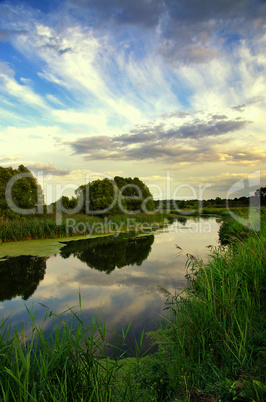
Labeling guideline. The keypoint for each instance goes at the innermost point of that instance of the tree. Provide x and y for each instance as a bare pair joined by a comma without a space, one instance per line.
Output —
67,203
136,194
121,195
101,197
261,192
26,192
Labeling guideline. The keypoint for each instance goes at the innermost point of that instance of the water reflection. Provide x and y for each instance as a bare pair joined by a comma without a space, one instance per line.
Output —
20,276
125,281
105,254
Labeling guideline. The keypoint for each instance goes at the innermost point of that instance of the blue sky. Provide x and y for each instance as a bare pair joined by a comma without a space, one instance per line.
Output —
147,88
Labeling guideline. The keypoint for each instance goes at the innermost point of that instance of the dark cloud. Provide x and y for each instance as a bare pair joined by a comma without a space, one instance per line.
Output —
201,129
251,101
191,31
140,12
195,129
193,142
48,169
7,34
149,12
54,43
91,144
239,108
177,114
219,117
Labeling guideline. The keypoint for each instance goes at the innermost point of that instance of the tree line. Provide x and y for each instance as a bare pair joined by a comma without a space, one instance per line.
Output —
102,197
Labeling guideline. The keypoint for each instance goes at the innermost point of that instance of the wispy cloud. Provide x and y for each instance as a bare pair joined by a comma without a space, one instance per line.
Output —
9,159
156,83
48,169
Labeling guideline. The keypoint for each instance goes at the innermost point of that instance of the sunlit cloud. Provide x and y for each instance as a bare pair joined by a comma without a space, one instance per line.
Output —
147,86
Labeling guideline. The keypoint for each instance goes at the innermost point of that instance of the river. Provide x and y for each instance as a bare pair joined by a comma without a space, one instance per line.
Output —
123,279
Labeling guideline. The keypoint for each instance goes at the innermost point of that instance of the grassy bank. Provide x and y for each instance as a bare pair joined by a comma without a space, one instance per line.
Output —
45,226
213,345
211,342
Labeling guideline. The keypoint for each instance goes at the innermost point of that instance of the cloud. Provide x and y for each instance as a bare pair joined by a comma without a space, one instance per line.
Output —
7,34
187,31
195,129
194,142
219,117
5,69
48,169
23,93
144,13
9,158
252,101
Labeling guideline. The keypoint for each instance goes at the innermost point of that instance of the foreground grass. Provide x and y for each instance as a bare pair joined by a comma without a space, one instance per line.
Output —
70,364
212,342
46,227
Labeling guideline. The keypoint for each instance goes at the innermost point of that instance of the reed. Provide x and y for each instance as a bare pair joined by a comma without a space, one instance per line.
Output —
213,342
45,227
69,364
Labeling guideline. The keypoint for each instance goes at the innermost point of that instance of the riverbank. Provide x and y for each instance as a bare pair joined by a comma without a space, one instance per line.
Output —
211,343
48,227
33,227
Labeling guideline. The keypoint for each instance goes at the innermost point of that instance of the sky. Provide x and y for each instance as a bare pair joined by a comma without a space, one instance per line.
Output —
171,91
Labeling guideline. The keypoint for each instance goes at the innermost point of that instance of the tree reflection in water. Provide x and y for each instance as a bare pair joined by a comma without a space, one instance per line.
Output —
20,276
106,254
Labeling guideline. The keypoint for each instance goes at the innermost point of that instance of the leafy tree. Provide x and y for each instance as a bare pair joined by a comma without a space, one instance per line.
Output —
26,192
261,192
68,203
137,195
101,197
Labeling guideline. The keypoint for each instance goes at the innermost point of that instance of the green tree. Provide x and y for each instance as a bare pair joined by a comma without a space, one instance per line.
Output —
261,192
26,192
68,203
136,194
101,197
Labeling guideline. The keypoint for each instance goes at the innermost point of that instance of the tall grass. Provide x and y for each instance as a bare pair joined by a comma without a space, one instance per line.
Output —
213,346
44,227
69,364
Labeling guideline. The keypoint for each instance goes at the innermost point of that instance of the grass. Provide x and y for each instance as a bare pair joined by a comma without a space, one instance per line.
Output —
213,346
45,227
212,341
70,364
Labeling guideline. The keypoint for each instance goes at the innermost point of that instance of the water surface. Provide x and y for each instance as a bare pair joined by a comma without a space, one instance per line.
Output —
124,276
